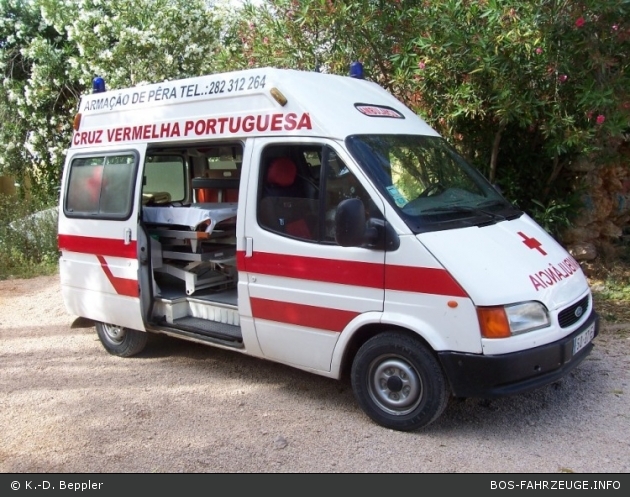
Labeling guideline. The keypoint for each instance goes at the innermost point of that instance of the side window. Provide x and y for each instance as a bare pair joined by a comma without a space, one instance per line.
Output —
288,195
290,201
164,179
341,184
101,186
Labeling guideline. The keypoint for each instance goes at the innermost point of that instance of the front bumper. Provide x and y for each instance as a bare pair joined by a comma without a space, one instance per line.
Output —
474,375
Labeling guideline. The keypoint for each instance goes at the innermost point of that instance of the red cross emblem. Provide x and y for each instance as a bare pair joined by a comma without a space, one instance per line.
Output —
532,243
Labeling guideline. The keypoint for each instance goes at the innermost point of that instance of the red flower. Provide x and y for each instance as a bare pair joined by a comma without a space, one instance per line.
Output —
563,78
600,119
579,22
539,50
421,65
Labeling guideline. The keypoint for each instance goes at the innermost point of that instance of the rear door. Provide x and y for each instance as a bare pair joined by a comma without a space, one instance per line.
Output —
98,235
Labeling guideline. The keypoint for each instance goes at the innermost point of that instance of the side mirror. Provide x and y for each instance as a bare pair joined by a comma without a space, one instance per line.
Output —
352,230
350,223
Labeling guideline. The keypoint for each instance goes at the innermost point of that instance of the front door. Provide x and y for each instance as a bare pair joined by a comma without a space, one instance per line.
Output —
98,236
304,289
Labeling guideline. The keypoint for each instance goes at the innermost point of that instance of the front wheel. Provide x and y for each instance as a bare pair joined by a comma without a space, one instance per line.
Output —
119,341
398,382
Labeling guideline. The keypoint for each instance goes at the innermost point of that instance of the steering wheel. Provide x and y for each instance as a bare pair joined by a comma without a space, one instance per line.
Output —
433,189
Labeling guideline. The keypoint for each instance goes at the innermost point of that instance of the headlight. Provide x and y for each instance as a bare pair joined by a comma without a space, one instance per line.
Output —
510,320
527,316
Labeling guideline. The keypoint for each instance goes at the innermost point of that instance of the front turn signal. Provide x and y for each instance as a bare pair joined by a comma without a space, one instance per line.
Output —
493,322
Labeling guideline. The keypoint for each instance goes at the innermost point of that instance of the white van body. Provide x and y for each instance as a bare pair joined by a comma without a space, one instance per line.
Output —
316,221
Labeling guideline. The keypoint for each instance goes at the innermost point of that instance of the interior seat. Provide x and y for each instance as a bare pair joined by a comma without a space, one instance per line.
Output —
285,207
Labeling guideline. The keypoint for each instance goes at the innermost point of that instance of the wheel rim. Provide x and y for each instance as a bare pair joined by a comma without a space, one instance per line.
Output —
395,385
114,334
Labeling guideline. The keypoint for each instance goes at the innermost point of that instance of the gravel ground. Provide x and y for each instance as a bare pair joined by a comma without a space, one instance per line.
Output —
69,407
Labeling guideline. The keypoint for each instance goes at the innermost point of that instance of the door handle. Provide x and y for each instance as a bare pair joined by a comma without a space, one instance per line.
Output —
249,246
127,236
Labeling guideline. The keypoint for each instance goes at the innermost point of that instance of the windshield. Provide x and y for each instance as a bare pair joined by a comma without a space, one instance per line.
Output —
430,185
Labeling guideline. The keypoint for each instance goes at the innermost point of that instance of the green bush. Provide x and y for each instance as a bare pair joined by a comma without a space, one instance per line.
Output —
522,88
28,238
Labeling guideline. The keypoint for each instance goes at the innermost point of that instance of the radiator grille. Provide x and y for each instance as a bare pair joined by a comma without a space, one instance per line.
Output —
569,315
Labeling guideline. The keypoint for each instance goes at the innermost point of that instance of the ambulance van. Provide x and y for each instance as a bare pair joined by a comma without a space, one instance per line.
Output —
312,220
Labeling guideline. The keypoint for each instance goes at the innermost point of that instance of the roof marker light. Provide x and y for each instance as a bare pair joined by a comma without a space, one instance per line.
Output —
356,70
76,123
98,85
278,97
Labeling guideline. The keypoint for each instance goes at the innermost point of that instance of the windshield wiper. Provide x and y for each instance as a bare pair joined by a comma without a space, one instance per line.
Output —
494,217
515,213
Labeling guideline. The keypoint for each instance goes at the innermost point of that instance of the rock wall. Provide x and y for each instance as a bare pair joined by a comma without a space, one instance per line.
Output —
603,223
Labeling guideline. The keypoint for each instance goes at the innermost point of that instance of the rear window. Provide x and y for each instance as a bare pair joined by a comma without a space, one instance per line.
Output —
101,186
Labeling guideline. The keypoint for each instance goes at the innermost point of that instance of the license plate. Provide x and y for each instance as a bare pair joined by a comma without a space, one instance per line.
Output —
583,339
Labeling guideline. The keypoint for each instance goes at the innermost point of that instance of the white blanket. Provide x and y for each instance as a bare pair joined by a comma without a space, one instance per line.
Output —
191,216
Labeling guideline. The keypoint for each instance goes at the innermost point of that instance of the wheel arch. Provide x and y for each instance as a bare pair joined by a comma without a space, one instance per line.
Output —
362,335
398,381
121,341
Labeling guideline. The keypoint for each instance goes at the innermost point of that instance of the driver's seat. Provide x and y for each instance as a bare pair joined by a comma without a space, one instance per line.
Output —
284,206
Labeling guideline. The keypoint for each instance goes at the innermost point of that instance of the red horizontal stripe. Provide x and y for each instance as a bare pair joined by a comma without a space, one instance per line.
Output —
322,318
430,280
241,260
113,247
316,269
435,281
123,286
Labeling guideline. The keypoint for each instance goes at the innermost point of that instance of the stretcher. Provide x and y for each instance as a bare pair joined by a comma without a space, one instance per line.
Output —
187,244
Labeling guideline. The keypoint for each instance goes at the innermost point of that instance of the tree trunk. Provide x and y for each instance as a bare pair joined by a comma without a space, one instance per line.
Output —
495,154
557,167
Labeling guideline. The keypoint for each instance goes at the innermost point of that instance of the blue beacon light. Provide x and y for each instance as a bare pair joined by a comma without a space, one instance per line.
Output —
98,85
356,70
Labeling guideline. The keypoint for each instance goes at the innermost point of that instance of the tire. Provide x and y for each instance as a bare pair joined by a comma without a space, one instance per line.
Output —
398,382
119,341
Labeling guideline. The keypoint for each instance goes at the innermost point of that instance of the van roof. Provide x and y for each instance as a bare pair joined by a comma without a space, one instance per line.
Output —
255,102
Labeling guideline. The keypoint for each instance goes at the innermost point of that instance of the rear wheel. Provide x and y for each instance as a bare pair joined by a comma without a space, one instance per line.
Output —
123,342
398,382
